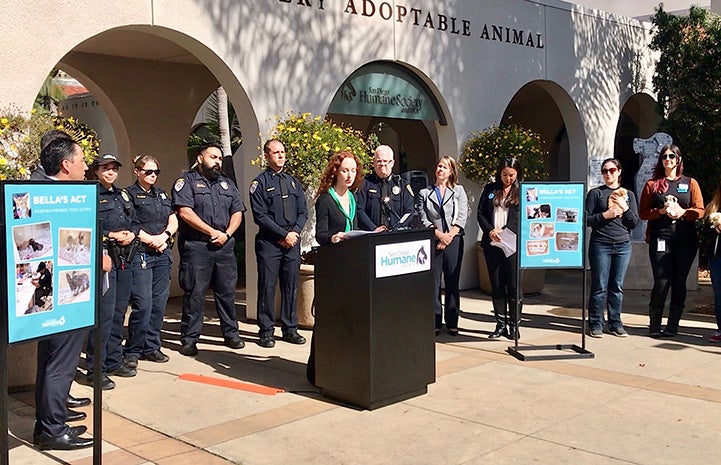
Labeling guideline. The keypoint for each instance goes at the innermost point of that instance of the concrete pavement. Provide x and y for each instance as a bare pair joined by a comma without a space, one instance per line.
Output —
639,401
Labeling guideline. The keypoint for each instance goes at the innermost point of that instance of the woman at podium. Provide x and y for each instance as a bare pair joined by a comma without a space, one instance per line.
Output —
335,205
444,207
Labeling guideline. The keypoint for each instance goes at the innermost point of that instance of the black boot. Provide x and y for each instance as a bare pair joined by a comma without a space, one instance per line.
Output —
674,317
499,310
514,318
654,321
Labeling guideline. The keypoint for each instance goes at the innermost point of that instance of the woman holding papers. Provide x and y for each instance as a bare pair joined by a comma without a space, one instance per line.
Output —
611,214
444,207
498,217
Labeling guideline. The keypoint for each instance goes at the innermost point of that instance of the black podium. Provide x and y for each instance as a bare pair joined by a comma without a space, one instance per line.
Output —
374,340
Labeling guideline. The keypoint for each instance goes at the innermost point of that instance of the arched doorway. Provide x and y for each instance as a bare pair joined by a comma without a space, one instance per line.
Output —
547,109
395,103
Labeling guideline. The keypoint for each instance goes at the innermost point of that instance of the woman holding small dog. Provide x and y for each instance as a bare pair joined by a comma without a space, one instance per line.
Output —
611,214
713,214
671,202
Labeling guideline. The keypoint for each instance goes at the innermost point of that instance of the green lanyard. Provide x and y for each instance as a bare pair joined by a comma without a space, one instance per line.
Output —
348,217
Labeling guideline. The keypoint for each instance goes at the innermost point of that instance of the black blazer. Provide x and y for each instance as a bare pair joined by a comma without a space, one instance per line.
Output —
329,219
484,214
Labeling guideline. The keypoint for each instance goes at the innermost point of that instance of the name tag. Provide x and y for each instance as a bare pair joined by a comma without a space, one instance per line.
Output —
661,245
682,188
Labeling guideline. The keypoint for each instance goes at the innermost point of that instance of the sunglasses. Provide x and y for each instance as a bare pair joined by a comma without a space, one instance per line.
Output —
609,170
668,156
149,172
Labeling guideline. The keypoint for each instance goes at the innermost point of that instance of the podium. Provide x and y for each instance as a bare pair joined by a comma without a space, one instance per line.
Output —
374,329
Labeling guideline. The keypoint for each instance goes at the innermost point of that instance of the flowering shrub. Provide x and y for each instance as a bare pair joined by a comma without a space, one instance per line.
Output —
310,141
482,151
20,140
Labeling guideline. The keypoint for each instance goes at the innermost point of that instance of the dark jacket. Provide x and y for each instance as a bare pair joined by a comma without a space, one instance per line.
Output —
329,219
484,214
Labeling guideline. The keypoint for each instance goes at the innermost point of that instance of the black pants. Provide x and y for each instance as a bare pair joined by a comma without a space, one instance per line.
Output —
502,273
275,261
201,264
670,270
58,358
447,263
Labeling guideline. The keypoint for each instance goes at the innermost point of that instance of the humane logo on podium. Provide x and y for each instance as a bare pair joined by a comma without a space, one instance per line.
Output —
402,258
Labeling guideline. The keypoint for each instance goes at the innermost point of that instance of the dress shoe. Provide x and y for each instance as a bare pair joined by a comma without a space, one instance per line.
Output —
156,356
267,340
234,342
64,442
294,338
498,332
131,360
123,371
106,383
75,402
189,348
74,432
453,332
75,416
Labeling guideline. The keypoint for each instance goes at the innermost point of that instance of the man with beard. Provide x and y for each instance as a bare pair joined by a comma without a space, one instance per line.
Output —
210,210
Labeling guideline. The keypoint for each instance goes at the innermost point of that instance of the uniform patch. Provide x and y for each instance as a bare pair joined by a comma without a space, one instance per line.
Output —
224,185
396,190
124,195
253,186
179,184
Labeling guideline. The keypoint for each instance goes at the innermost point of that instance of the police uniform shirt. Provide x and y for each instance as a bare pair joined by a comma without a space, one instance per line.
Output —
115,210
266,202
152,208
370,200
213,201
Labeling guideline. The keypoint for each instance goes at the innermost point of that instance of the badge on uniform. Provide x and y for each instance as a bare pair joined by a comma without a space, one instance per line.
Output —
396,190
253,186
224,185
179,184
163,196
200,185
124,195
141,196
372,191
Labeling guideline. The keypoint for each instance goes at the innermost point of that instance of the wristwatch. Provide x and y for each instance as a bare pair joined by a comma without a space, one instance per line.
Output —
168,233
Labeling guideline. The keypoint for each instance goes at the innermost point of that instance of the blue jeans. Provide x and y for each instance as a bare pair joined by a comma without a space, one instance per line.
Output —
151,287
715,266
609,263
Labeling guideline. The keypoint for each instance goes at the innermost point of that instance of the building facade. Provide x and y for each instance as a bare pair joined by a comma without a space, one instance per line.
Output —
425,73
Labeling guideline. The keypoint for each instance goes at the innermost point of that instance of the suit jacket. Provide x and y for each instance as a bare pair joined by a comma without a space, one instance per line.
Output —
454,208
329,219
484,214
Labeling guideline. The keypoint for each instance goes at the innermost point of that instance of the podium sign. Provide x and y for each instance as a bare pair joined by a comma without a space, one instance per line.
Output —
373,336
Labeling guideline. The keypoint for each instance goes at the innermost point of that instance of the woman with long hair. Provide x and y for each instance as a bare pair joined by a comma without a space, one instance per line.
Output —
444,207
611,214
671,202
156,224
498,210
713,252
335,205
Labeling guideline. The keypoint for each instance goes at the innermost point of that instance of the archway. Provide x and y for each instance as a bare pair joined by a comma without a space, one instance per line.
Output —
547,109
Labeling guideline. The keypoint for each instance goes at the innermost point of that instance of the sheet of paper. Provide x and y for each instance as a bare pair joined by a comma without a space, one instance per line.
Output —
507,242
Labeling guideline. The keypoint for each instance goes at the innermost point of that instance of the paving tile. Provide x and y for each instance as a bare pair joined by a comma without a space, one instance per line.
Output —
161,449
116,457
196,457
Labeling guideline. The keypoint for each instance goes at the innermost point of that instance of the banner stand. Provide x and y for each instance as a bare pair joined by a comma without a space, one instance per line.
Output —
551,234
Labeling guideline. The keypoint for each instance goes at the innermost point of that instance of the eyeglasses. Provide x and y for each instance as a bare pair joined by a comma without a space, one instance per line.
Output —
149,172
382,162
609,170
668,156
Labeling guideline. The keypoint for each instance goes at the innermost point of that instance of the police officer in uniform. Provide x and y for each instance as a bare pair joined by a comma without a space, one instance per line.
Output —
210,210
119,242
156,223
58,355
279,209
384,198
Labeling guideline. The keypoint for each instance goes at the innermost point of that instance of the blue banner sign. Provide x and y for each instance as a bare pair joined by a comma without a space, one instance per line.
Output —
50,257
552,225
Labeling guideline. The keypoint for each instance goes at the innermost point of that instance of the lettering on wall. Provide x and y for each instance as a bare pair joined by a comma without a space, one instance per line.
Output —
417,17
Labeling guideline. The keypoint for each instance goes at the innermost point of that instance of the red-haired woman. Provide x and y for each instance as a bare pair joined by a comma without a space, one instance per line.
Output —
335,205
671,202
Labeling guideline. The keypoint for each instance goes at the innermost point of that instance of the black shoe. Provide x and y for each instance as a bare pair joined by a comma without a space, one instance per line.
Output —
131,360
106,383
77,402
267,340
453,332
75,416
513,333
669,333
123,372
294,338
498,332
234,342
74,432
189,348
156,356
64,442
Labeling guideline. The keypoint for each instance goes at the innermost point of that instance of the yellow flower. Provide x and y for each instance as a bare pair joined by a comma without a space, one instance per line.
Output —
316,136
4,120
325,146
3,161
291,129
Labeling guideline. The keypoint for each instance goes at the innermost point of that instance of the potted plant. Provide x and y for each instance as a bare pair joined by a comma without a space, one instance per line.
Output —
480,155
310,141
